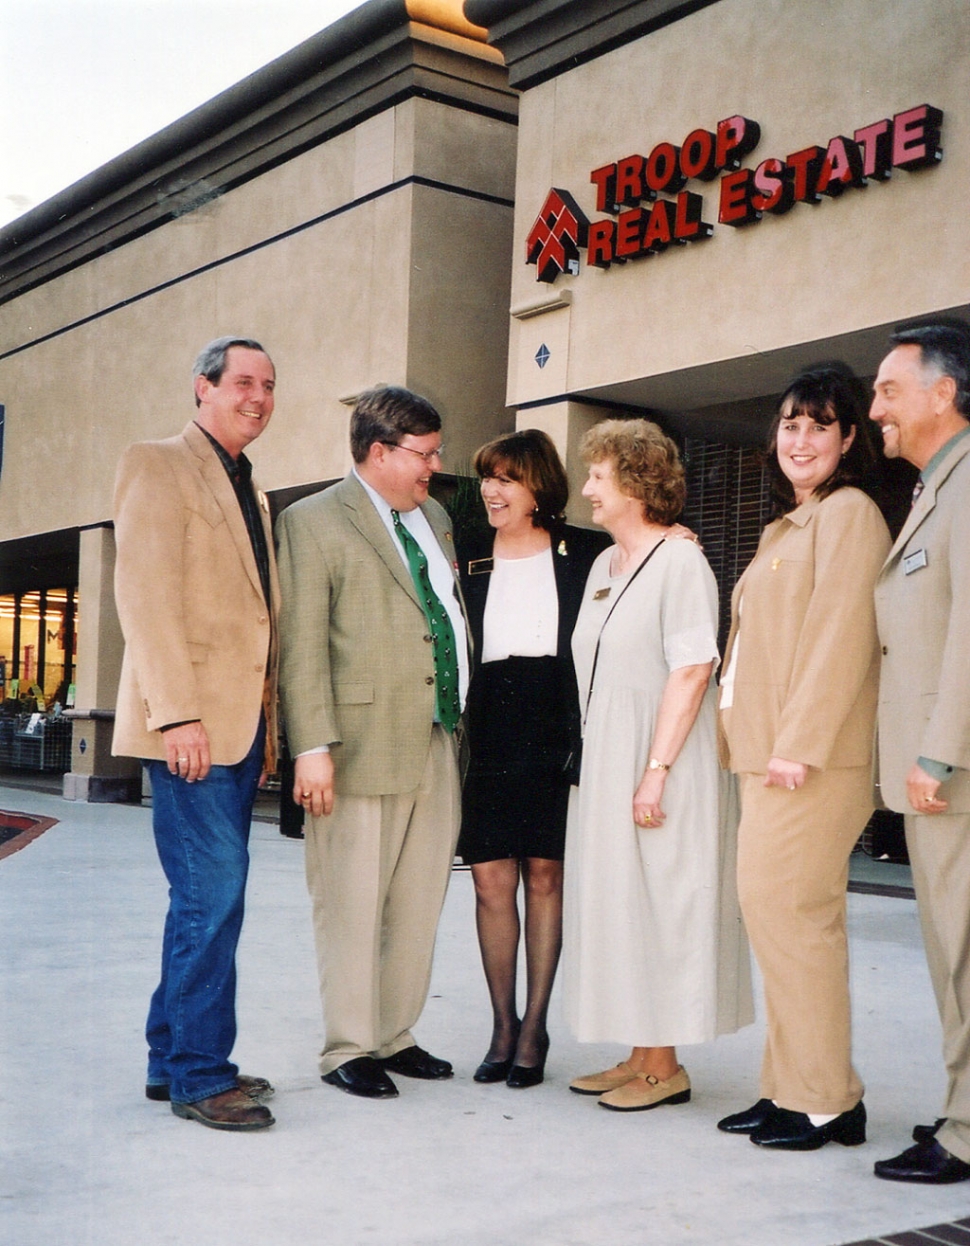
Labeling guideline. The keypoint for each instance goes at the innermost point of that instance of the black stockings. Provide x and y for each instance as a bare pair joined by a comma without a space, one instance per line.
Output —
497,919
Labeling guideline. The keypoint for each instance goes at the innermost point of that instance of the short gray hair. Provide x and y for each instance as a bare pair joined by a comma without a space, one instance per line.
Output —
944,347
211,359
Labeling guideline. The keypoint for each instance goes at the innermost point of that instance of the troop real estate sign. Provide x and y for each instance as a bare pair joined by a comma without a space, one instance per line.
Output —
640,223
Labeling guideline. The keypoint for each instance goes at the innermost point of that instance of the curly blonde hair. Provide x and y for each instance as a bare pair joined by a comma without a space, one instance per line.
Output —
646,464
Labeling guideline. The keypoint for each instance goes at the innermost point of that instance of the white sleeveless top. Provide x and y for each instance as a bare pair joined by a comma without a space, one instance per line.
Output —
522,609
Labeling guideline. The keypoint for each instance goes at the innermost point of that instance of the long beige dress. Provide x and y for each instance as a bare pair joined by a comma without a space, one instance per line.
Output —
654,948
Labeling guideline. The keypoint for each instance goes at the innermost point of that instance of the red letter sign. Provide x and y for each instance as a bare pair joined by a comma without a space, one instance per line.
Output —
916,137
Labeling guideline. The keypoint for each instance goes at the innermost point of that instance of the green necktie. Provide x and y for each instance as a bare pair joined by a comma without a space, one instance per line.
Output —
443,647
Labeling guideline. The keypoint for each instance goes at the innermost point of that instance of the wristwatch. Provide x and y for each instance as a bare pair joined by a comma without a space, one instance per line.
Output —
653,764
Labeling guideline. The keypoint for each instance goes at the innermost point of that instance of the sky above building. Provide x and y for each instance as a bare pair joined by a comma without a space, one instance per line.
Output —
82,81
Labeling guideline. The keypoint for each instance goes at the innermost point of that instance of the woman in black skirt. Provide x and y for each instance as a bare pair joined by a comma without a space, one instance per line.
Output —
523,588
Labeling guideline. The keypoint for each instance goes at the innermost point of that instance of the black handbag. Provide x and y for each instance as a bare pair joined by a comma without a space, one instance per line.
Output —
573,765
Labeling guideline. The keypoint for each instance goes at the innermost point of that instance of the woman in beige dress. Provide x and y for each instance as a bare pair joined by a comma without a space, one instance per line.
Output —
655,954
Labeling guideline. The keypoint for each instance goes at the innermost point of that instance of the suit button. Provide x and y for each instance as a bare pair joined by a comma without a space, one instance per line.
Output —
258,667
429,679
885,650
263,619
427,640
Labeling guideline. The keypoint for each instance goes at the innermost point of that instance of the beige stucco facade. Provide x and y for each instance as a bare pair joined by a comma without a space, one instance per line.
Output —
363,206
728,318
350,207
347,268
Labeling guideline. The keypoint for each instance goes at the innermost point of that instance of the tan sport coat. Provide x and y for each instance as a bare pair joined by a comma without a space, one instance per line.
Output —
357,670
923,607
808,662
200,641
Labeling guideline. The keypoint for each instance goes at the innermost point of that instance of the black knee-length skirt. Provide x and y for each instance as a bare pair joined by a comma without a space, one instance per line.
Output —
515,794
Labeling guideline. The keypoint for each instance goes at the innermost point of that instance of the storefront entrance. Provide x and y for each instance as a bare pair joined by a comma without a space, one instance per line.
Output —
38,651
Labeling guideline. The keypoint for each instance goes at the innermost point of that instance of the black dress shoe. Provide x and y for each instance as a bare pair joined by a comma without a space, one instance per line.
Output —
521,1076
362,1076
926,1133
793,1131
926,1162
493,1070
414,1061
747,1122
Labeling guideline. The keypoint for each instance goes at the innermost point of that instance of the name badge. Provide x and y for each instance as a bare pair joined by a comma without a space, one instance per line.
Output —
914,561
480,566
600,594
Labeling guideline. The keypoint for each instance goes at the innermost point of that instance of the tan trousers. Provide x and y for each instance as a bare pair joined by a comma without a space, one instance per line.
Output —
793,870
939,851
377,871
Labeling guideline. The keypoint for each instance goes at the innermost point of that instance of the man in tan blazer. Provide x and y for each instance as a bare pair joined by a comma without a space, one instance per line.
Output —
369,700
922,406
197,595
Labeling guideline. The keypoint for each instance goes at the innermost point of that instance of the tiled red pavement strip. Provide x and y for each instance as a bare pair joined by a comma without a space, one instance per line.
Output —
956,1233
17,830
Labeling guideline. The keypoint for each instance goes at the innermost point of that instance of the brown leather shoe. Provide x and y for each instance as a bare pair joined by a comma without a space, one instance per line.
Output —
256,1087
233,1109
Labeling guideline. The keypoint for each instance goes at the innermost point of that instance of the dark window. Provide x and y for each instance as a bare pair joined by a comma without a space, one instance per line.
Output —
728,504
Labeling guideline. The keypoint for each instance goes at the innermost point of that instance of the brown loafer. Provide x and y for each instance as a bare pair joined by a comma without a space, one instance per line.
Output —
233,1109
256,1087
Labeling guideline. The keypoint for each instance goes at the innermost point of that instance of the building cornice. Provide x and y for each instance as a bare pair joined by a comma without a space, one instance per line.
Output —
380,54
541,39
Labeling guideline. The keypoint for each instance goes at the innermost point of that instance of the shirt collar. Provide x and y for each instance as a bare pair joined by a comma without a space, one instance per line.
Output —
941,454
382,506
240,468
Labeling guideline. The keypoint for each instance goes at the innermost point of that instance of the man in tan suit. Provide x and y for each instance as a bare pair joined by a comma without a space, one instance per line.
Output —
373,672
197,596
922,406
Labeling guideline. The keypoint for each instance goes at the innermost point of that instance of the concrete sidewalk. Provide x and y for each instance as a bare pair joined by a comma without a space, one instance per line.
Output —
86,1159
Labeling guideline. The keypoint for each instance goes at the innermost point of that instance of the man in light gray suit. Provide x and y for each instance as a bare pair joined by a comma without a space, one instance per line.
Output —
922,406
374,666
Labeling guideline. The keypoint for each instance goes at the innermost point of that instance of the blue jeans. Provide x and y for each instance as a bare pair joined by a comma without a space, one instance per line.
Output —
202,836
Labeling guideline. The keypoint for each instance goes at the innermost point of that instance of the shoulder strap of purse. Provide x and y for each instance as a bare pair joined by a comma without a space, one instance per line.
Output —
596,652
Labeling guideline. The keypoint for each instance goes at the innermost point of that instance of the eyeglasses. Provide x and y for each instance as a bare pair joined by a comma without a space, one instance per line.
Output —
427,455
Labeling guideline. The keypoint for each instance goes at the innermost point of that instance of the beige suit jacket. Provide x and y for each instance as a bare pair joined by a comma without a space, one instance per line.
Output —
808,663
200,642
923,607
357,669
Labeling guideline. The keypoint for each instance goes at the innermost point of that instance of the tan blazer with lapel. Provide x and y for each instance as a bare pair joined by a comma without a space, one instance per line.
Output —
357,670
808,662
924,626
200,641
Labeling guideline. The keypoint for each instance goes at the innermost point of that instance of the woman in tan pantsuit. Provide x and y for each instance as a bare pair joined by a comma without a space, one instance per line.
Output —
798,701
